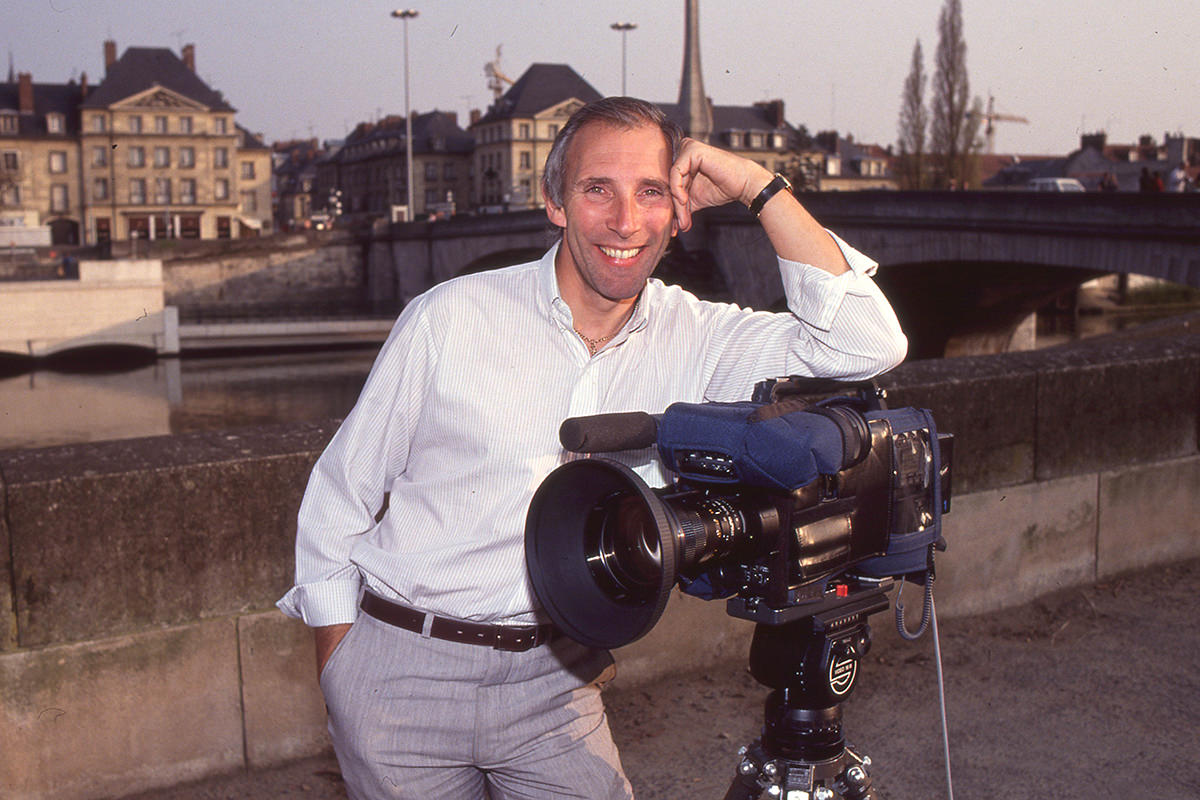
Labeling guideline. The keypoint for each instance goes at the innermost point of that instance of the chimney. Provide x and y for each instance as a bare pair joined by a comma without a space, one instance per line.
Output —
189,56
25,92
83,86
693,102
475,116
773,110
110,54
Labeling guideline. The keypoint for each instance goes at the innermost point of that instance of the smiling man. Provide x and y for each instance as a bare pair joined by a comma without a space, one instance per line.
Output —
441,673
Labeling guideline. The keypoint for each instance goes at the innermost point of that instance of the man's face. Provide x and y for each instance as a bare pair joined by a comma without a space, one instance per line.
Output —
617,213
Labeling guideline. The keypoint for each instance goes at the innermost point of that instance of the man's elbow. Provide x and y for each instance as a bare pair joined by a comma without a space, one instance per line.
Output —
885,355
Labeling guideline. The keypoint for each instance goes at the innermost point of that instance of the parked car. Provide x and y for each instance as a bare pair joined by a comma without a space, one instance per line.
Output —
1056,185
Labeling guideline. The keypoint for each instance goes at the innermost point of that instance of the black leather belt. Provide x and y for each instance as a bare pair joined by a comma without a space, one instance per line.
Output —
499,637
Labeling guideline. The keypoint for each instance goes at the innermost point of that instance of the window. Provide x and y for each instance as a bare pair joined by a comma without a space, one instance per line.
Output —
187,191
8,123
160,124
431,197
526,160
220,125
137,156
100,156
11,161
249,202
100,189
135,124
185,124
187,156
58,162
221,189
431,171
58,197
137,191
247,170
99,124
54,123
523,130
162,156
221,158
553,131
10,195
449,173
162,190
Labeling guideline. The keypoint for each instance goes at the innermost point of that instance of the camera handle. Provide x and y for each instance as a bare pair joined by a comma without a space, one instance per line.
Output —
811,663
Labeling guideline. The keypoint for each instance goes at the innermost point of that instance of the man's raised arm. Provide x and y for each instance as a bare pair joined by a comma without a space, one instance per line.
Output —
704,176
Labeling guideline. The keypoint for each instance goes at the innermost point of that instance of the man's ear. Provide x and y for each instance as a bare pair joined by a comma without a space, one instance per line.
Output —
554,213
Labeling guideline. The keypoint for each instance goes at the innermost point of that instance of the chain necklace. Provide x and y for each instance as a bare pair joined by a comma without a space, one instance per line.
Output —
593,344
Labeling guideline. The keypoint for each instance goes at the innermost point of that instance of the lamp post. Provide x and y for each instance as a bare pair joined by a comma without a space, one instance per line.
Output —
624,28
405,15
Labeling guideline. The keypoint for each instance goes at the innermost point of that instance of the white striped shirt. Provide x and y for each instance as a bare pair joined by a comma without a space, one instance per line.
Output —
458,422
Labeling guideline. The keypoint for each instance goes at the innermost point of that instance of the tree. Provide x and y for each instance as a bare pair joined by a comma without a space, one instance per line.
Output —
914,120
948,133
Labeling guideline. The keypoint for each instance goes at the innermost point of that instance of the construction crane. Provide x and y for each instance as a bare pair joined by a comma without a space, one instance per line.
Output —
990,118
496,78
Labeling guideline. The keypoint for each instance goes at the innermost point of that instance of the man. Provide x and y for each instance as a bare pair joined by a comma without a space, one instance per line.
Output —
450,683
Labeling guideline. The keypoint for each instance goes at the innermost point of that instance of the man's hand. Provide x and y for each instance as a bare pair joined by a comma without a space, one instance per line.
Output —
704,176
328,638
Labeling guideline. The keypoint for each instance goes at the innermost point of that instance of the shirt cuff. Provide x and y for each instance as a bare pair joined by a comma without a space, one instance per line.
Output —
815,295
324,603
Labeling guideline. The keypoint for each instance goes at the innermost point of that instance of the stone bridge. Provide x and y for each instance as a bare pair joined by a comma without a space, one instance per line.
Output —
962,268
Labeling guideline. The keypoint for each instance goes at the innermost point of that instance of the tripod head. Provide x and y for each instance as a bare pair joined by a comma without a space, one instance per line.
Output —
809,657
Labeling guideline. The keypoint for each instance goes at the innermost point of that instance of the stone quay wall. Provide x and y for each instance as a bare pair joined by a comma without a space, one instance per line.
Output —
139,645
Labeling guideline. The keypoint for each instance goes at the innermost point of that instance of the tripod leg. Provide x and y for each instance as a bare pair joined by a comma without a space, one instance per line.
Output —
745,784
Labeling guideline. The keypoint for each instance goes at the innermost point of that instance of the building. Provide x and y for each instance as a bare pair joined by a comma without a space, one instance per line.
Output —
1096,158
293,182
851,166
40,192
368,174
152,152
513,138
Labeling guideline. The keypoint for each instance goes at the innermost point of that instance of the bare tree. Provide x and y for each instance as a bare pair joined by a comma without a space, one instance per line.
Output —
950,97
914,121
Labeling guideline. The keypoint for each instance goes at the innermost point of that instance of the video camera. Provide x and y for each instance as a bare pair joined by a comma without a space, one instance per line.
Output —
779,504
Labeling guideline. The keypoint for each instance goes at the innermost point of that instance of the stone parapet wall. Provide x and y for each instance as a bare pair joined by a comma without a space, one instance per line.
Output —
139,646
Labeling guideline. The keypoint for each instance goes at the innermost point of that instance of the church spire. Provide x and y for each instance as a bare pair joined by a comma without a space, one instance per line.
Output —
693,103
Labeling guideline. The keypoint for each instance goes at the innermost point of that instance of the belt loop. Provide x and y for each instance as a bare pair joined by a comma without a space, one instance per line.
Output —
427,626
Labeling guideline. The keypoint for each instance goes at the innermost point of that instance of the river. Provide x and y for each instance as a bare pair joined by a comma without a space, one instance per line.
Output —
178,395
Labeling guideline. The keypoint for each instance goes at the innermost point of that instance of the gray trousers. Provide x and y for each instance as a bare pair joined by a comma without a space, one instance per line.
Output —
415,717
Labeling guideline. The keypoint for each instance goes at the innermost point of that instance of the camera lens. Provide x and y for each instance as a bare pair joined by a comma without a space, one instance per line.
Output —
625,554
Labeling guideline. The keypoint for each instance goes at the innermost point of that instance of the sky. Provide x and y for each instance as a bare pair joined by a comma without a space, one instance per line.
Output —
300,68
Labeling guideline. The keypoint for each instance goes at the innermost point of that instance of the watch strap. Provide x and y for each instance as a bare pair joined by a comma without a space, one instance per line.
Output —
777,184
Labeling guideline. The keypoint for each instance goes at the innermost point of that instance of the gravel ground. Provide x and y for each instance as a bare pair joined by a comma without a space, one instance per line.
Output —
1090,692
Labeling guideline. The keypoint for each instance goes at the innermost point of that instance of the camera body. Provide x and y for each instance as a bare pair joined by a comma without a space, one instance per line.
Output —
774,500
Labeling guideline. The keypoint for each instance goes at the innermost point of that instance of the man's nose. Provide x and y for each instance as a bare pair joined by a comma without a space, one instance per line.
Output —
626,217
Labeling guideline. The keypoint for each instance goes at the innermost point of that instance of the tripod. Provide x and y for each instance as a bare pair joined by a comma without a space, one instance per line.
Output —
810,658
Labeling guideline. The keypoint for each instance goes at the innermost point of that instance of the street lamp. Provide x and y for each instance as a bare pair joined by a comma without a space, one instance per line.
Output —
405,15
624,28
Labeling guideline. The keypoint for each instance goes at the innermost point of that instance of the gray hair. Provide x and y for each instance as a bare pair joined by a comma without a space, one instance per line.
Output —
623,112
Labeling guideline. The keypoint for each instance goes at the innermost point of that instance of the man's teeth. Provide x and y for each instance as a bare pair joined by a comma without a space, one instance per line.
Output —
614,253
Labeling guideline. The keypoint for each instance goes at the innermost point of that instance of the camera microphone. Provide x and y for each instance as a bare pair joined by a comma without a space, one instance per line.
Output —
608,433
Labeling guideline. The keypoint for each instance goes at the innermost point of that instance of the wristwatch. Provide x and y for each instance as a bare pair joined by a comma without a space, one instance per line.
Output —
777,184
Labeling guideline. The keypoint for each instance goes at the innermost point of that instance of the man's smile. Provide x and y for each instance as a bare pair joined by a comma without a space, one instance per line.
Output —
613,252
